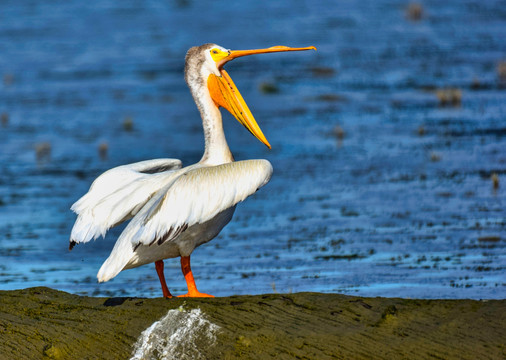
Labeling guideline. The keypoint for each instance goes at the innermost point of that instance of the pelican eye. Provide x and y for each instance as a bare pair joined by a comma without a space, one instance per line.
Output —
218,54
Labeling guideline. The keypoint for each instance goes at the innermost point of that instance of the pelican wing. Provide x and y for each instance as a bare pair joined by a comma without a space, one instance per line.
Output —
195,196
117,195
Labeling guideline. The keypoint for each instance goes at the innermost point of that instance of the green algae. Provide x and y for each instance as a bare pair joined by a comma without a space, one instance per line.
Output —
41,323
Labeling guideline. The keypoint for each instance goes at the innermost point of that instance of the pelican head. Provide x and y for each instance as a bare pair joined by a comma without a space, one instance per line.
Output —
204,70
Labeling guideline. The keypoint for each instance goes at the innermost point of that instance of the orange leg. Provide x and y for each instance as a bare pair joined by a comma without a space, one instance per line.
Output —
190,282
161,276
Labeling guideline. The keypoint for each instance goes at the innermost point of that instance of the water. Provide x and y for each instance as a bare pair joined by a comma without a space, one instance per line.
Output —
379,188
181,334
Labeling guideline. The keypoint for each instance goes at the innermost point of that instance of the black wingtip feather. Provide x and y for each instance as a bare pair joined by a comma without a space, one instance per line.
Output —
72,244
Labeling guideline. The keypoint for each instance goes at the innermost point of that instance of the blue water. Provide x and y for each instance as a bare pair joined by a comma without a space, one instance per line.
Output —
379,188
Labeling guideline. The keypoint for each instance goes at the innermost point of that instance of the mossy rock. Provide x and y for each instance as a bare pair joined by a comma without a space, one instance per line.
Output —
41,323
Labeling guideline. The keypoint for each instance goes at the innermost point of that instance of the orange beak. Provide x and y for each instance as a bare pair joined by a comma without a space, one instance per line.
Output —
225,94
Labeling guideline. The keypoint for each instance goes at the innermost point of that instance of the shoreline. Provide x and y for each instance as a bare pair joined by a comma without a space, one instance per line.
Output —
45,323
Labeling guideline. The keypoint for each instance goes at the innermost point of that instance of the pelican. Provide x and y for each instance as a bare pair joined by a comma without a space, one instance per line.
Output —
172,210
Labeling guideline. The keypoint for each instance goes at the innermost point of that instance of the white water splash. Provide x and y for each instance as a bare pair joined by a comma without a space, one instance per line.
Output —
180,334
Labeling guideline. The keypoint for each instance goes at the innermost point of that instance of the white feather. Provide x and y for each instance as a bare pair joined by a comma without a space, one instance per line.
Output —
117,195
194,196
198,195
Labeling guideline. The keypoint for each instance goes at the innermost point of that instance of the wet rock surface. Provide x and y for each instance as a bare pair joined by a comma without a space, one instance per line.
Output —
45,323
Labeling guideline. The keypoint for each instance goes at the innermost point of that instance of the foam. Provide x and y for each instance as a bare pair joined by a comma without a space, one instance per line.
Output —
180,334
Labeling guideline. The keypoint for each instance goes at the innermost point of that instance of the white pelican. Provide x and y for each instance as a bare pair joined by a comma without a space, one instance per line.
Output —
174,209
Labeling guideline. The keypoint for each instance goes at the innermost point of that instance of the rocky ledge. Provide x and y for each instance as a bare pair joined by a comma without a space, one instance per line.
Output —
40,323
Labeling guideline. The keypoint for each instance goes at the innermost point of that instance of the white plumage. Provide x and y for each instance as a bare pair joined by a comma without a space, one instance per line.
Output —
191,196
116,195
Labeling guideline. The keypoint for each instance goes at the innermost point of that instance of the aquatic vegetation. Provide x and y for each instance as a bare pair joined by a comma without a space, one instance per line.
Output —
449,97
128,124
4,119
338,132
323,71
495,180
103,149
501,70
8,79
268,88
414,11
330,97
43,150
435,157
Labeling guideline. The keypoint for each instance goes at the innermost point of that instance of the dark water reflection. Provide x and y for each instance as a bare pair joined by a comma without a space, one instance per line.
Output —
384,141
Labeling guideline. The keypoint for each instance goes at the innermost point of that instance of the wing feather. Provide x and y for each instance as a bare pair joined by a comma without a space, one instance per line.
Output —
199,195
117,195
194,196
